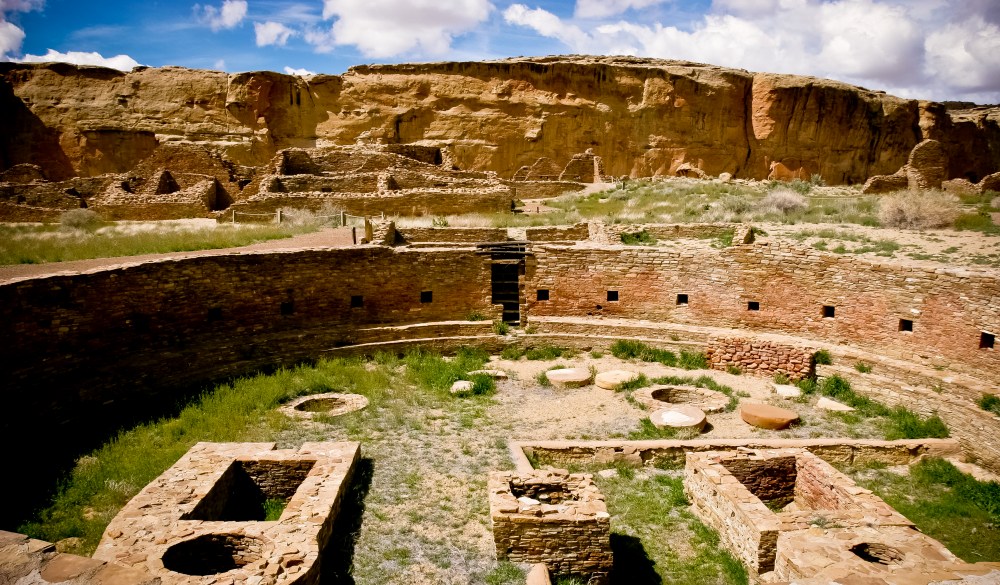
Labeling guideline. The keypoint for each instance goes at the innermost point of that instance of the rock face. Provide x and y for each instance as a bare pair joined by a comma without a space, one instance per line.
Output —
640,117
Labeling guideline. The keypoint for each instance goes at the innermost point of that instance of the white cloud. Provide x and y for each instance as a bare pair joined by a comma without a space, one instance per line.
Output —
220,65
10,38
914,48
385,28
272,33
603,8
231,14
20,5
120,62
299,72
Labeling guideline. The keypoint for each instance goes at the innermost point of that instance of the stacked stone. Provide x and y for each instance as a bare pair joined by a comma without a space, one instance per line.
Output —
184,512
761,357
571,535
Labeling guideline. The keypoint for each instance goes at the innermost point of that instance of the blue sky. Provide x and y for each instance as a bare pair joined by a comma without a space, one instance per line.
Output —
929,49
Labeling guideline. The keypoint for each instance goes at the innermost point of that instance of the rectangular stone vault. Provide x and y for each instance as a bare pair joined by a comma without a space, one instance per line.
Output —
203,520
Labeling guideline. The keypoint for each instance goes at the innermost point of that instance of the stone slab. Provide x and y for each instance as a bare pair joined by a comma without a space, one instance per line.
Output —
612,379
461,388
570,377
495,374
765,416
679,416
787,390
825,403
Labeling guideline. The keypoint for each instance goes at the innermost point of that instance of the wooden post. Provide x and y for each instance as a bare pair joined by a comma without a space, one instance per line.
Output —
343,219
234,217
279,215
354,235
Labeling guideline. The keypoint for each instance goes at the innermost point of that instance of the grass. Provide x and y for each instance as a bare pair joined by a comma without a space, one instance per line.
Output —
627,349
945,504
990,403
549,352
501,327
273,507
643,510
898,422
823,358
864,368
37,245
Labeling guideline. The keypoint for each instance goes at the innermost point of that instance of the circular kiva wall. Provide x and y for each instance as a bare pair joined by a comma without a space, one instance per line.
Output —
129,337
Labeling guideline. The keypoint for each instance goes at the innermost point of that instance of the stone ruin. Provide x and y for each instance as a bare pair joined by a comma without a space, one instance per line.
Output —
187,181
551,517
788,515
927,168
761,356
204,518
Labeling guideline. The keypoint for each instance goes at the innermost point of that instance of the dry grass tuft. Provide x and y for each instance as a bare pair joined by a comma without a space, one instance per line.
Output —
782,200
918,209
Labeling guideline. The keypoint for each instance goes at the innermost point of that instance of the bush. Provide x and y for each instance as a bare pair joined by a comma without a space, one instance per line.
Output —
482,384
978,222
512,352
918,210
783,200
990,403
737,204
548,352
823,358
863,367
642,238
500,327
81,219
625,349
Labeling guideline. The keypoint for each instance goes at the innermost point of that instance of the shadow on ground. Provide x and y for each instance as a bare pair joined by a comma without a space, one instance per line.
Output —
338,556
632,565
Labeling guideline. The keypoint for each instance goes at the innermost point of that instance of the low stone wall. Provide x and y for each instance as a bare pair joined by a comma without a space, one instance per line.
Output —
451,235
672,453
551,517
543,189
761,357
574,233
679,231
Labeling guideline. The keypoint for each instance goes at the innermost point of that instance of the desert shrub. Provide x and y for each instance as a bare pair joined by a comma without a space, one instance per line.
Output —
918,210
823,358
783,200
500,327
799,186
549,352
863,367
81,219
512,352
482,384
817,180
475,316
995,204
990,403
642,238
737,204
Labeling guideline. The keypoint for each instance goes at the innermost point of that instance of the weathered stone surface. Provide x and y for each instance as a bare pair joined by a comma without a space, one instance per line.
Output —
787,391
461,388
927,166
641,116
825,403
878,184
990,183
611,379
495,374
766,416
761,357
570,377
198,523
538,575
326,404
679,416
551,517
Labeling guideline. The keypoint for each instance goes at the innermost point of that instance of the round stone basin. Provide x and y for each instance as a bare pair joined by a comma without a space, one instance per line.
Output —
329,404
569,377
211,554
658,397
679,416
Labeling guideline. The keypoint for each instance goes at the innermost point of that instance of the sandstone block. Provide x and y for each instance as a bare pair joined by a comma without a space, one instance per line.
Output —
825,403
461,388
787,391
765,416
680,416
569,377
611,379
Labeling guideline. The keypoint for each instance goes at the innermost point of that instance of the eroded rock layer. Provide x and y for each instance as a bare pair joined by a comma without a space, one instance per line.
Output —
641,116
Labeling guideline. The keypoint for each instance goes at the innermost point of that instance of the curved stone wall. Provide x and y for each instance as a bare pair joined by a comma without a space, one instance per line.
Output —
99,346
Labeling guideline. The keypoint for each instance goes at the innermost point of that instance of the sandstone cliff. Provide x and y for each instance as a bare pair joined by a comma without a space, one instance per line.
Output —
643,117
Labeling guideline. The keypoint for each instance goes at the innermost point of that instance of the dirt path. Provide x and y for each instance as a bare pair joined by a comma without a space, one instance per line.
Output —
329,237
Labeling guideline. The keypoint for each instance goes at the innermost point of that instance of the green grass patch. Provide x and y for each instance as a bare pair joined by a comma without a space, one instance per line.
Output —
863,367
18,246
642,512
643,238
899,423
273,507
501,327
549,352
945,504
979,222
626,349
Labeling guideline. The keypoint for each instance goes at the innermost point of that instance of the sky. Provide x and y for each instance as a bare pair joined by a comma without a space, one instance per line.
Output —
926,49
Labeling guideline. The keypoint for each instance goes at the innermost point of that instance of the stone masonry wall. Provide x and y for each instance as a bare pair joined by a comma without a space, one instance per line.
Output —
762,357
86,352
571,535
